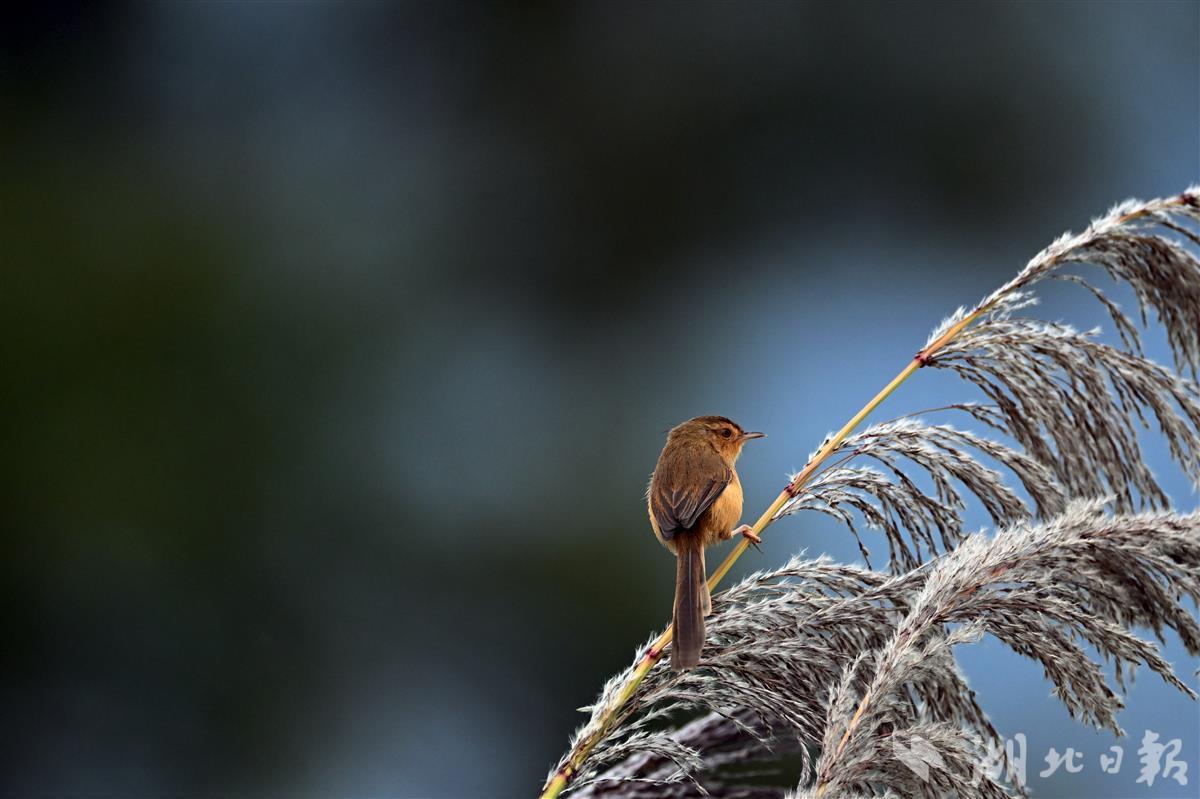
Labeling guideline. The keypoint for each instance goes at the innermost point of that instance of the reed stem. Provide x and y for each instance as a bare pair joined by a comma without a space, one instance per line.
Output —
561,777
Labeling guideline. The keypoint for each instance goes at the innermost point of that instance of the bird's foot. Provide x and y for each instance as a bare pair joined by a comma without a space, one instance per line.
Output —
747,532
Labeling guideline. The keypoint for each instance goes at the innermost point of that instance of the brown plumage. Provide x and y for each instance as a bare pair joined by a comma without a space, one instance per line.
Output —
695,499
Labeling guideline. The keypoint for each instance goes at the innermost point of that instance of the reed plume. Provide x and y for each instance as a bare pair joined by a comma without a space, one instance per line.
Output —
857,666
1045,590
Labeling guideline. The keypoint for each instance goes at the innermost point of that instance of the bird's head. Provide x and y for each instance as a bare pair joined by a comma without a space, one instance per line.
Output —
726,436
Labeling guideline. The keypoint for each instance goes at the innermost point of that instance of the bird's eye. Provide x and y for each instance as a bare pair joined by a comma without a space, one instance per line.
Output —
726,432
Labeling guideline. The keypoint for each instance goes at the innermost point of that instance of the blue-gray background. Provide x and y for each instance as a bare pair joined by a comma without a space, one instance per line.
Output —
339,342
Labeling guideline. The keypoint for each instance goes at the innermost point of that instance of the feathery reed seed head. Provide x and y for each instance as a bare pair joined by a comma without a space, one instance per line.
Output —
859,664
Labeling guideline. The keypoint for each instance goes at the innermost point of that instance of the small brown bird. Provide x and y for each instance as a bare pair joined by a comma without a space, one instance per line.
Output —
695,499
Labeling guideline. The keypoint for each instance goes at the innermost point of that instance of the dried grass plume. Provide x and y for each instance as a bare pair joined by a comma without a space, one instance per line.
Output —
850,672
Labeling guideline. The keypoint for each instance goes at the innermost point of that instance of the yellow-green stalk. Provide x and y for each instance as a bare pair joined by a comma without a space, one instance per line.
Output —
561,777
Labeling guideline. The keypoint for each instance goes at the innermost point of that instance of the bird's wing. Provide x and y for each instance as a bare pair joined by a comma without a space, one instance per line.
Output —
678,496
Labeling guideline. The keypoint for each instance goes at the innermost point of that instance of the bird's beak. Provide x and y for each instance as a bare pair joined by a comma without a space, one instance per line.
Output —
748,436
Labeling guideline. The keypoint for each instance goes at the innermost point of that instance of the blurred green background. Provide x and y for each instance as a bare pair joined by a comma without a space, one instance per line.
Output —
340,340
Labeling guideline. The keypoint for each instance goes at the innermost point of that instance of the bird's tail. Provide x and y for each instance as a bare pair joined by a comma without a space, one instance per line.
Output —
689,613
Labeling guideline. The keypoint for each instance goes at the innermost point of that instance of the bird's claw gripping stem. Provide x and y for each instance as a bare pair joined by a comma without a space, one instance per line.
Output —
747,532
